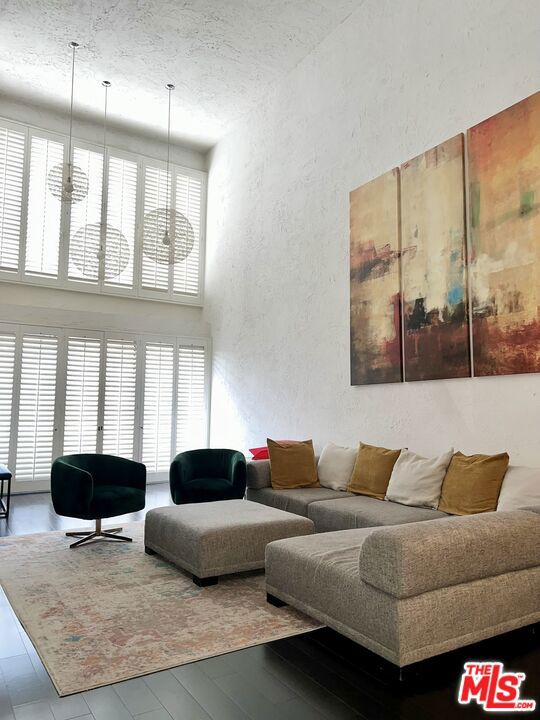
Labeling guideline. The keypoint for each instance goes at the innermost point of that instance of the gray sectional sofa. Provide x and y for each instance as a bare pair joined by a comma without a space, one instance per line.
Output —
407,583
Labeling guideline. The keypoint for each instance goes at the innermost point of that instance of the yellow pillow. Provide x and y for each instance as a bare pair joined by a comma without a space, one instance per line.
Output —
372,470
472,483
292,465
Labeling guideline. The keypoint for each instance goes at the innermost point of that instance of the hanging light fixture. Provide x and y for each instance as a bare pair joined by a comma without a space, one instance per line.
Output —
70,186
168,236
87,246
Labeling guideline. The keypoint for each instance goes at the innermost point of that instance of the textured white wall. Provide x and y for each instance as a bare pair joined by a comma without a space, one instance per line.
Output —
395,79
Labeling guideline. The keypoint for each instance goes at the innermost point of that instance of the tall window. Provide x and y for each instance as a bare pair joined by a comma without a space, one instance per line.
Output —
112,240
67,391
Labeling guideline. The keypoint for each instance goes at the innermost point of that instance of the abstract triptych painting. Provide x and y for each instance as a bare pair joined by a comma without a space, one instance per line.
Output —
504,176
411,309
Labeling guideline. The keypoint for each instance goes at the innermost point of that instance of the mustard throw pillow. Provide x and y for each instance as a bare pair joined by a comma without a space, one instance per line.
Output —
372,470
292,465
472,483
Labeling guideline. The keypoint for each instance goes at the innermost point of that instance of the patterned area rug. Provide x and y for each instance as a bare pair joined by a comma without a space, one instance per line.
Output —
109,612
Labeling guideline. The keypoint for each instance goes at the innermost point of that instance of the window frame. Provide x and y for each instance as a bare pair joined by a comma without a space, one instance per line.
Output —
61,281
62,333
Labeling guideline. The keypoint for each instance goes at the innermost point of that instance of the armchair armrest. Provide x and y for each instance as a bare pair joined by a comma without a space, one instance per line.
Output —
258,474
71,488
237,473
124,472
181,472
407,560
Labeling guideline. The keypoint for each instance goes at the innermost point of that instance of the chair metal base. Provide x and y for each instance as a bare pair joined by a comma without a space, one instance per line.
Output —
96,534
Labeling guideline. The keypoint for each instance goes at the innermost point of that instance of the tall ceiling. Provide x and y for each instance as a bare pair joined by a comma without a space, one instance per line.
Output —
222,55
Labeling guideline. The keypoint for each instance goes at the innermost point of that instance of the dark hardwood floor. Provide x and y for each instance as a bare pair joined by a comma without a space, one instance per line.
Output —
318,676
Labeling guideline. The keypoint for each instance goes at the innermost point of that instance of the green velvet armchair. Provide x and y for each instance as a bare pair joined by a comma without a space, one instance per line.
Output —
207,475
93,487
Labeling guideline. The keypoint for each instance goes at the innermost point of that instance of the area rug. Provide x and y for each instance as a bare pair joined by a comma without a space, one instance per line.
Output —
108,612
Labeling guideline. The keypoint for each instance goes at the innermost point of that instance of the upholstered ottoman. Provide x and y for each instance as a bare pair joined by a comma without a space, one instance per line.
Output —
218,538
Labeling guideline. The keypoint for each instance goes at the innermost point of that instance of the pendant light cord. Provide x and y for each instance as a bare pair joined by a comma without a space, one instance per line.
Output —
74,47
170,88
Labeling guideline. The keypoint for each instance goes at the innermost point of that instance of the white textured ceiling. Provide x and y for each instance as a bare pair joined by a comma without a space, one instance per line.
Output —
221,54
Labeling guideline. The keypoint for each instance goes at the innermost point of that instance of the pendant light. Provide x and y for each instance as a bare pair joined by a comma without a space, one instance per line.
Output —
87,246
70,186
168,236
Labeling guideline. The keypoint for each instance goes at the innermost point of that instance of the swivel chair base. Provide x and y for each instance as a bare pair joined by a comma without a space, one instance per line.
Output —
96,534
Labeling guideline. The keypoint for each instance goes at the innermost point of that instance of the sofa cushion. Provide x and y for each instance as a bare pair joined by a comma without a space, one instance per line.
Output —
413,559
292,465
335,466
364,512
372,470
520,488
472,483
294,501
417,480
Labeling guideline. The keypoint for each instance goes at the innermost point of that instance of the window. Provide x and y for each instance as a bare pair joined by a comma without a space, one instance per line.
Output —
11,187
35,429
7,377
71,391
158,406
44,209
120,397
82,395
112,240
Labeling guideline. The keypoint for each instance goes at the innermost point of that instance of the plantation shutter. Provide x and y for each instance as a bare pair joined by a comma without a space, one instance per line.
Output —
11,183
35,429
191,422
82,395
85,226
188,203
121,218
44,209
155,276
158,406
120,398
7,368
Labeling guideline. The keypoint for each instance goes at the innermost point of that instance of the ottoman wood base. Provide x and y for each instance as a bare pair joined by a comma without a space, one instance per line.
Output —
275,601
205,582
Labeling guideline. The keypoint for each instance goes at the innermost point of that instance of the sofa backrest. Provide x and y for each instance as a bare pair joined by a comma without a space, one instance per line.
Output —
406,560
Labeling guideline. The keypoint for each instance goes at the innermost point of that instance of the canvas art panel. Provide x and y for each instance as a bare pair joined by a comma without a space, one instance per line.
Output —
375,282
504,177
433,227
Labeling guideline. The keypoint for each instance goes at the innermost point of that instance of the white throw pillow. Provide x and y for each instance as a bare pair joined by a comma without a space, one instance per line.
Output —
335,466
417,480
520,488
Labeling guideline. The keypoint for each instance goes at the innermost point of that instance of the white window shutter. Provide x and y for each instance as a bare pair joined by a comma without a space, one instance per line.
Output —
188,203
120,398
158,406
82,395
85,239
191,422
35,429
44,209
11,184
7,368
155,276
121,218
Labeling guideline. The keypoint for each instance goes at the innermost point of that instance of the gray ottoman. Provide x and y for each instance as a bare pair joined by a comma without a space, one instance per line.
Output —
218,538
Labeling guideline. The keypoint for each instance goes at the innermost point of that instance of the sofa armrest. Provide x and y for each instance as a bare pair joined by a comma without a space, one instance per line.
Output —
258,474
407,560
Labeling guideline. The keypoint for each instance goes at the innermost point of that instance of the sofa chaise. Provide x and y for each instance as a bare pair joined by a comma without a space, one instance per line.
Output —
406,582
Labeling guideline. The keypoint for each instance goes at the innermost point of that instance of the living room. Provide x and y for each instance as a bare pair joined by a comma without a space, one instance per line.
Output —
269,279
